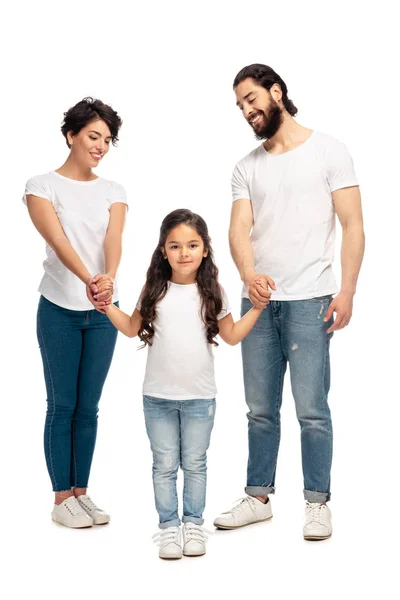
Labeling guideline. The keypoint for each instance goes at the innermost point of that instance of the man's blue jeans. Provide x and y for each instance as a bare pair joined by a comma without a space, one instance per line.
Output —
289,332
77,348
179,432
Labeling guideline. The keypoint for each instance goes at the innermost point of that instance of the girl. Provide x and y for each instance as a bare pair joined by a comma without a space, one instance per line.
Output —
81,217
181,310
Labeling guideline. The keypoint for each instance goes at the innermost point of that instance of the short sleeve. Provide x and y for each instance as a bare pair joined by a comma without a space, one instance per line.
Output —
37,187
339,166
118,194
226,310
240,187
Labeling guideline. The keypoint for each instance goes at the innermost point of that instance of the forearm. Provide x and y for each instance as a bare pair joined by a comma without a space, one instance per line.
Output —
122,321
112,254
242,327
352,252
242,254
71,259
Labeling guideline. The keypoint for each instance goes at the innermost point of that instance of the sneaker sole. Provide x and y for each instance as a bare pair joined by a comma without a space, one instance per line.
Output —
101,522
239,526
71,526
194,554
170,557
311,538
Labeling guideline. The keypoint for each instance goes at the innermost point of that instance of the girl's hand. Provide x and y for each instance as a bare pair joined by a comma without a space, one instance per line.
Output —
102,287
101,305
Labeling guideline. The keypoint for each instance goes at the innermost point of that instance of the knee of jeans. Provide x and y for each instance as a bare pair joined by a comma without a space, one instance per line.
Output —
86,415
165,462
194,463
55,410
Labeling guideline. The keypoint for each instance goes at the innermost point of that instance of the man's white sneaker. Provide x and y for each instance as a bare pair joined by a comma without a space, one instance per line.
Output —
194,539
318,523
71,514
99,516
169,541
248,510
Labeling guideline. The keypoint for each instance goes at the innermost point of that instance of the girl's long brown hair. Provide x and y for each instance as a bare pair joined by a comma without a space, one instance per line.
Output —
159,274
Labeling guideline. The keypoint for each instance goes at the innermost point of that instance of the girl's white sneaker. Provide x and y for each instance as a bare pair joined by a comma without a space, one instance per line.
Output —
99,516
194,539
169,541
71,514
318,523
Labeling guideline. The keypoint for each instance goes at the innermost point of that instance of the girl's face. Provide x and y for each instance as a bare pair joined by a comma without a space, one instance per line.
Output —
90,145
184,250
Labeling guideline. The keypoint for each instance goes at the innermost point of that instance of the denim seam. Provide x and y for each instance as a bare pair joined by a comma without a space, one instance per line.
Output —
74,454
52,474
323,382
279,420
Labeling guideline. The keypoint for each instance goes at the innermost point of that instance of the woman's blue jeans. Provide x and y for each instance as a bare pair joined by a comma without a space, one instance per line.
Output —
77,347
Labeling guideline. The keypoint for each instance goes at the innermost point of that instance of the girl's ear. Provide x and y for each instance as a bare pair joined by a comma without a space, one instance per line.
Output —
205,253
163,252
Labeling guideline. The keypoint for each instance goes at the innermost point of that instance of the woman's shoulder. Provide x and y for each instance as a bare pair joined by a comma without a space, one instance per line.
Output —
40,185
115,191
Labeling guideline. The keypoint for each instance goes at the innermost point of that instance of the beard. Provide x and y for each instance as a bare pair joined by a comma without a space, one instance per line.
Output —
272,120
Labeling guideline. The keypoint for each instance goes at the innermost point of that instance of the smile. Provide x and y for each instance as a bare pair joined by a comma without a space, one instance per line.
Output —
96,156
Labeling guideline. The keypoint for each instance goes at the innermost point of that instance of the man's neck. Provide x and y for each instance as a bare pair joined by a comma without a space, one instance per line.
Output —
289,136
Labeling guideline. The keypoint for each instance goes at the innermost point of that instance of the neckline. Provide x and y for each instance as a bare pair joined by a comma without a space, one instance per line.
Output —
290,151
76,180
181,285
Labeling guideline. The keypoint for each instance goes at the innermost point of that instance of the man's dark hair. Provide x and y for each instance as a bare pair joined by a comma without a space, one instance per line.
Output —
266,77
89,110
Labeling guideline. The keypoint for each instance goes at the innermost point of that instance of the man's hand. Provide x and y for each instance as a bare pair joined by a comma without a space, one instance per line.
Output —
258,286
342,305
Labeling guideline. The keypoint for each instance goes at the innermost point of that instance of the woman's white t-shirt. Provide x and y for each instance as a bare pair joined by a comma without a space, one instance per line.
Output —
83,208
180,361
293,235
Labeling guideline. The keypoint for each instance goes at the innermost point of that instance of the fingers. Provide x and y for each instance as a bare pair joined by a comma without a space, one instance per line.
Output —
329,312
341,321
104,295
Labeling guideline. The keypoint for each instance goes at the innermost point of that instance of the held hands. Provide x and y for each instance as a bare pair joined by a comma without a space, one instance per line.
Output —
342,305
258,286
100,290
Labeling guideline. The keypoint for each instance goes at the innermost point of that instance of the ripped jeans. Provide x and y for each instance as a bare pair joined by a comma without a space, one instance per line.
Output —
289,332
179,432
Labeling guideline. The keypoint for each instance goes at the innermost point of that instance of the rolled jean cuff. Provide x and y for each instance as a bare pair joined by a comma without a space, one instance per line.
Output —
173,523
258,490
194,520
316,496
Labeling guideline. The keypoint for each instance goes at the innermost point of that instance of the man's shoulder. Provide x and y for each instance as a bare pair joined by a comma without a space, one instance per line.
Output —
251,157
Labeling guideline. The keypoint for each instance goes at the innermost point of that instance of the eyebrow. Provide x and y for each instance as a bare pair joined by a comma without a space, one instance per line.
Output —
190,242
98,133
246,96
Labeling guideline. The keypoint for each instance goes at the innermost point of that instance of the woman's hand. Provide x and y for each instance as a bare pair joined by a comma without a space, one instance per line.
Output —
91,291
103,287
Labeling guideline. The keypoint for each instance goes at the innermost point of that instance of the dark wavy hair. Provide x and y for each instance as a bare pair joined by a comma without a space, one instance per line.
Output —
266,77
159,273
86,111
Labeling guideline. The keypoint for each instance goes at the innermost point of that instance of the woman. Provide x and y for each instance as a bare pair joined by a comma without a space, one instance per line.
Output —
81,217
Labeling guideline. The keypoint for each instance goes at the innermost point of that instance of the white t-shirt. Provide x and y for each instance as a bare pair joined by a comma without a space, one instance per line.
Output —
293,236
180,361
83,210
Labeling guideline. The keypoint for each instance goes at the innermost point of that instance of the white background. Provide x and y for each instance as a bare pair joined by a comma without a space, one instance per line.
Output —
168,67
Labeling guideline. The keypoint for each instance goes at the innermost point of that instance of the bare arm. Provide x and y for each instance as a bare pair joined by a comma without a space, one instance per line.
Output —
232,333
128,325
243,254
46,221
347,202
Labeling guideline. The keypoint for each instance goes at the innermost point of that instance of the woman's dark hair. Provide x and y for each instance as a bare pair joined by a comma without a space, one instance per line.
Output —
89,110
266,77
159,274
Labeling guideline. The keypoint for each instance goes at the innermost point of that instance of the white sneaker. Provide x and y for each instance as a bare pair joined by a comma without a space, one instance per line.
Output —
194,539
71,514
249,510
99,516
318,523
169,541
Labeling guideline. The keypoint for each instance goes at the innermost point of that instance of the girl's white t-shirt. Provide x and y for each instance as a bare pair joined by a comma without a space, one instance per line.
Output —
83,208
293,235
180,361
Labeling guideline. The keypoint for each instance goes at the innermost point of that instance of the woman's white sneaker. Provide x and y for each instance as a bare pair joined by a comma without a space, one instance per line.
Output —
99,516
169,541
318,523
248,510
71,514
194,539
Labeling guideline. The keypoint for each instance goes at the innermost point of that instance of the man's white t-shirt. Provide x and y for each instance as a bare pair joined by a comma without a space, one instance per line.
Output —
83,208
180,361
293,235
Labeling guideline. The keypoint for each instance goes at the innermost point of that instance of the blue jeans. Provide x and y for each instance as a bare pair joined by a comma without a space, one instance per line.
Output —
179,432
77,348
289,332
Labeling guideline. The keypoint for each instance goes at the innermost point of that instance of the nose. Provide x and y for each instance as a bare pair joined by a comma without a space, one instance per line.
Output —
183,253
247,111
100,145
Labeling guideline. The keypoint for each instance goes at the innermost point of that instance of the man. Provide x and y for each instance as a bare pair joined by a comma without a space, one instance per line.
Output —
285,196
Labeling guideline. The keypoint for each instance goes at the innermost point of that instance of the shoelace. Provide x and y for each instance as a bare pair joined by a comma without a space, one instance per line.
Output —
196,532
166,536
89,504
243,503
315,513
73,506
